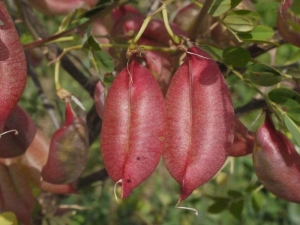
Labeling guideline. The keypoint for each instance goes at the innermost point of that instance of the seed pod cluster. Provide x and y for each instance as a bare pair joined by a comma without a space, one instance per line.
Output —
197,122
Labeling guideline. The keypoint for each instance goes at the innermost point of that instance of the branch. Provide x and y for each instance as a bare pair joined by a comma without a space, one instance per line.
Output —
100,175
202,14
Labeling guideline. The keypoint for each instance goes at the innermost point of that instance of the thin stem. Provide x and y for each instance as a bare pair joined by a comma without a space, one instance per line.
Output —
56,75
174,37
145,24
73,30
202,14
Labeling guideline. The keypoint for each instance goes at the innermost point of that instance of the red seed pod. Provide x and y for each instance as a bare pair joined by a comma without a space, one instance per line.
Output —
12,201
11,144
33,161
133,128
243,143
276,162
13,68
286,23
200,122
68,150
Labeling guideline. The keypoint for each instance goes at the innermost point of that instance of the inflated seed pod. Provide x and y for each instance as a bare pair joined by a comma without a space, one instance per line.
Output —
13,67
276,162
133,128
200,122
68,150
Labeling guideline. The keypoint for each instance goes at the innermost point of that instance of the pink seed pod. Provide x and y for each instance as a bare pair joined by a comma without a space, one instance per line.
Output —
286,23
133,128
61,7
243,143
12,144
13,68
200,122
276,162
68,150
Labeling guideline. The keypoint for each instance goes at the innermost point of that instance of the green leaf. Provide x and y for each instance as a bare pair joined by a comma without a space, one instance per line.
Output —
257,201
89,42
285,97
236,56
234,194
220,7
8,218
293,128
218,206
262,75
294,114
236,209
1,23
259,33
105,61
238,23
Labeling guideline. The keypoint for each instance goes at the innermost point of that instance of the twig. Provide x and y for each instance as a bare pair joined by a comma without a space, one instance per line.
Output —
100,175
202,14
75,30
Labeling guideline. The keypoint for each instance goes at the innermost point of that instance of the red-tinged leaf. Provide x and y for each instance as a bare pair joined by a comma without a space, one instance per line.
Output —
133,128
68,150
243,143
200,122
276,162
11,144
12,200
13,68
286,21
33,161
99,98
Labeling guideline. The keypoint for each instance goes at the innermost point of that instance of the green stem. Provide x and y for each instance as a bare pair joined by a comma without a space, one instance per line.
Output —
56,75
145,24
174,37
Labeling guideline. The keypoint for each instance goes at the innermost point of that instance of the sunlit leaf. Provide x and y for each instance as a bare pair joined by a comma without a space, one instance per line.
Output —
259,33
8,218
293,128
238,23
294,114
220,7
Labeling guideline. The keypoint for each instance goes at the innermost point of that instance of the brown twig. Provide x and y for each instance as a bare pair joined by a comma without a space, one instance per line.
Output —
201,16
